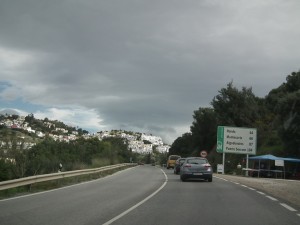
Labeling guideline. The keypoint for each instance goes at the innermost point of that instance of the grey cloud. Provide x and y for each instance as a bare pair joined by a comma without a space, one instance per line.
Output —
146,64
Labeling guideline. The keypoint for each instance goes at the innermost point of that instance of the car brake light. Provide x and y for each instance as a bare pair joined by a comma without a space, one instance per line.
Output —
207,166
187,165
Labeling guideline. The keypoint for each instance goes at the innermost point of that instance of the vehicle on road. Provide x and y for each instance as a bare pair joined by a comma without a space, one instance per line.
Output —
172,160
178,164
196,167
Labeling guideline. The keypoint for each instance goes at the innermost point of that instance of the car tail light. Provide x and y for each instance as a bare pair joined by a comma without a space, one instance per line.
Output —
207,167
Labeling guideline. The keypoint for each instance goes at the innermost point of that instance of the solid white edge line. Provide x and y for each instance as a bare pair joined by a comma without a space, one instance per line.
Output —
288,207
138,204
273,199
259,192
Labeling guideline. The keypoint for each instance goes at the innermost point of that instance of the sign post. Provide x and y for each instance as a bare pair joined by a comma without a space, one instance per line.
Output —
247,165
223,163
280,163
220,168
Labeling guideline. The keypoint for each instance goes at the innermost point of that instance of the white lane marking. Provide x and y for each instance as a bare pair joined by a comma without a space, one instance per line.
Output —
273,199
220,178
138,204
288,207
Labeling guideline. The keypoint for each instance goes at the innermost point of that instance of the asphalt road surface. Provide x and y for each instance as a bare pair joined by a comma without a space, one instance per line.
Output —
147,195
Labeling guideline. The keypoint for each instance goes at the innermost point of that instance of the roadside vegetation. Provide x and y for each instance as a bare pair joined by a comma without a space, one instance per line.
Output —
18,160
276,117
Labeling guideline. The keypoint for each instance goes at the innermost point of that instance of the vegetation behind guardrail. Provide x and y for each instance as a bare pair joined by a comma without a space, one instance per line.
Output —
55,180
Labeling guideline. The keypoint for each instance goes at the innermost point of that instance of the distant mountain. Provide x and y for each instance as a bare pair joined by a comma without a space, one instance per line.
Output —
9,112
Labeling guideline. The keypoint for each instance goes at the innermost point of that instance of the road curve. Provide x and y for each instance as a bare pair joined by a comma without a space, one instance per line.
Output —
218,203
144,195
93,202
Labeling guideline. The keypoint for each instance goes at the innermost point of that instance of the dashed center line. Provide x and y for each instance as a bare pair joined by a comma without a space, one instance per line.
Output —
259,192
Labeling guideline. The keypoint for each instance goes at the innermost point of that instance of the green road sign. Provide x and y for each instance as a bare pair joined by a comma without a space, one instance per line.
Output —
238,140
220,139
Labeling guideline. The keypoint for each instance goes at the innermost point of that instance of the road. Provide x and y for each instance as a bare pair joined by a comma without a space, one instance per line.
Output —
147,195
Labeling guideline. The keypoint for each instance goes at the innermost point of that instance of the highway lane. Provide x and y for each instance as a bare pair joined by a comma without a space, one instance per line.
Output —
89,203
173,202
217,203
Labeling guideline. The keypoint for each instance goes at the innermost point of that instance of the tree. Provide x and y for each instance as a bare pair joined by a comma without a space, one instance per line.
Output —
284,101
29,118
236,108
182,146
43,157
293,82
5,170
204,129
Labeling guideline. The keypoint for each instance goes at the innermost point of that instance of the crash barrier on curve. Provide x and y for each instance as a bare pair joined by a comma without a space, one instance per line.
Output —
55,176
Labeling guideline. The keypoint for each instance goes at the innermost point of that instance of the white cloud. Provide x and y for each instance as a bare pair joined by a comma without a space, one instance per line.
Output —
87,119
13,59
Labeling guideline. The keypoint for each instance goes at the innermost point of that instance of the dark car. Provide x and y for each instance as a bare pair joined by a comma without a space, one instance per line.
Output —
196,167
178,164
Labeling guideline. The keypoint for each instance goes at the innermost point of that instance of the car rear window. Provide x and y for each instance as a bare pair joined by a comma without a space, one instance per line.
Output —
174,157
197,161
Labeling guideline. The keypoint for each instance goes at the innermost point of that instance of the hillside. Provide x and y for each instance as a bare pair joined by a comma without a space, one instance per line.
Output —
31,131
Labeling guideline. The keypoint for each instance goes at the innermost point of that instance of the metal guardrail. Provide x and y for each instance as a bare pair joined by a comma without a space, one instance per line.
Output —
54,176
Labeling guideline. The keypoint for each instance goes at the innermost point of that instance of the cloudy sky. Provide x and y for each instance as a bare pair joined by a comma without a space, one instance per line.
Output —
140,65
